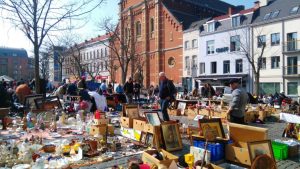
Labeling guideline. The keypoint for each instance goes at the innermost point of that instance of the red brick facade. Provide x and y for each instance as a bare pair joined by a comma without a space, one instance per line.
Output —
161,33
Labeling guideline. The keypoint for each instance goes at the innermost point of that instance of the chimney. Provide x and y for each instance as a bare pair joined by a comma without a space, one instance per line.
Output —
256,4
230,11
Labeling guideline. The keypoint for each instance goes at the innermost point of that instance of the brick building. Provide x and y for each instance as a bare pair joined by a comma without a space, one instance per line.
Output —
14,63
157,27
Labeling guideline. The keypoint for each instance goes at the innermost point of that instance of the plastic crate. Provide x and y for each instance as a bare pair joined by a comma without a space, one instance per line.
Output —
217,150
280,150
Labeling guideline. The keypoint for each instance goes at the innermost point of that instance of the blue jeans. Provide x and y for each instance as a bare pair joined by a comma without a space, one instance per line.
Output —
164,104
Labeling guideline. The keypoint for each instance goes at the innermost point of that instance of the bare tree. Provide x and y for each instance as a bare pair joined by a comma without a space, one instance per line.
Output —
36,19
122,48
254,58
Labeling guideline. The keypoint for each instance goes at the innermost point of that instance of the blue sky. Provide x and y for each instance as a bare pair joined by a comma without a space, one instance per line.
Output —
11,37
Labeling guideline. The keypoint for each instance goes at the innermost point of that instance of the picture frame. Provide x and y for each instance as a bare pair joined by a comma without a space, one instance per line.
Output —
213,125
149,140
143,138
132,113
181,106
29,100
130,110
48,103
171,136
153,118
257,148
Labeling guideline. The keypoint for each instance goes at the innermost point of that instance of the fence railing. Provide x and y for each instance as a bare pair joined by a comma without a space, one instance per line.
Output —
292,70
292,46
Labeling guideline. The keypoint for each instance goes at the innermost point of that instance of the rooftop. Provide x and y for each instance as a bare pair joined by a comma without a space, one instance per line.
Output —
13,52
277,9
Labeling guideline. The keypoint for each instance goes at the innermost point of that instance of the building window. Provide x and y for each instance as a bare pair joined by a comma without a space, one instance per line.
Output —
292,65
275,14
239,66
194,61
105,52
211,27
275,61
292,88
106,65
98,54
269,88
262,62
275,39
294,10
101,66
152,28
91,55
171,61
213,69
235,43
261,41
236,21
202,68
186,45
187,63
210,47
138,28
292,41
194,43
101,53
226,66
267,16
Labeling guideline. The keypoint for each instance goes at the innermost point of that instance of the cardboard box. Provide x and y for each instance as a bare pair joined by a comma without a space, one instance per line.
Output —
174,112
198,154
203,112
262,115
148,128
126,122
98,129
241,134
250,116
101,121
138,124
192,113
150,160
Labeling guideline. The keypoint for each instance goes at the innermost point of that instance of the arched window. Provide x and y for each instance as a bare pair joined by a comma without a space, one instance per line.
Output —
152,25
138,28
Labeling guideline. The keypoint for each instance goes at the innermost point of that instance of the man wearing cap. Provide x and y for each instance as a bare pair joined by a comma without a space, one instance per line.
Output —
238,103
167,93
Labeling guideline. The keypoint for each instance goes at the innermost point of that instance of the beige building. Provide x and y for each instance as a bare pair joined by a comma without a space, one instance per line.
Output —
277,26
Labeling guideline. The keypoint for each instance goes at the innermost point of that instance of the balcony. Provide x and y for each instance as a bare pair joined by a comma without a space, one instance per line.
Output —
292,71
292,46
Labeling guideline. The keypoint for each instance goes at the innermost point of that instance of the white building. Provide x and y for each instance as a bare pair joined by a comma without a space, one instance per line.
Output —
54,64
223,45
93,56
278,28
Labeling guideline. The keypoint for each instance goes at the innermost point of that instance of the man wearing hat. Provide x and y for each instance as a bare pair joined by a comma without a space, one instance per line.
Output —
238,103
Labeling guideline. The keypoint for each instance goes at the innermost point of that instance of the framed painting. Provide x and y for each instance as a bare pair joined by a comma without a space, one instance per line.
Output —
153,118
212,126
143,138
171,136
149,140
130,110
258,148
29,101
48,103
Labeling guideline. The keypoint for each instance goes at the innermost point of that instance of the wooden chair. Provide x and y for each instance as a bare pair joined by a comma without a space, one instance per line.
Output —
3,114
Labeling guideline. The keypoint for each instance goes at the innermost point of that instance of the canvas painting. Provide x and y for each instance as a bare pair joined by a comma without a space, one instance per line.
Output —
258,148
171,136
214,126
